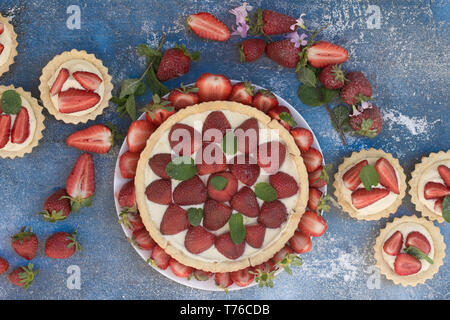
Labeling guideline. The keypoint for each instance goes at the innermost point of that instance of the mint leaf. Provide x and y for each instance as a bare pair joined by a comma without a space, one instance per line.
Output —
307,76
237,228
418,254
219,182
129,87
195,216
11,102
141,89
181,168
343,117
229,143
328,95
130,107
369,177
287,118
265,192
155,86
309,95
446,208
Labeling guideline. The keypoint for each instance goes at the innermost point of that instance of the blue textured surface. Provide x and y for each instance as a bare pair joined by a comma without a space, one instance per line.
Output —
407,61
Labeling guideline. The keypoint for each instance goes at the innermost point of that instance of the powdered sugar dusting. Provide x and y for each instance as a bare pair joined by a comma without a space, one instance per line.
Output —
415,125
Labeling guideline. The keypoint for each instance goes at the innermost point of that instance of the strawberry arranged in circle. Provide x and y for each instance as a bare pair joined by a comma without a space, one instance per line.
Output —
272,214
201,275
210,159
351,177
362,198
97,138
223,279
184,139
368,122
4,265
251,49
175,220
62,77
207,26
274,22
80,184
332,77
314,198
75,100
242,92
175,62
215,214
271,156
356,89
284,53
313,159
131,219
444,173
438,205
300,242
388,177
435,190
405,264
418,240
303,138
245,202
159,191
322,54
242,277
25,243
255,234
280,255
158,164
247,134
284,184
23,276
198,239
62,245
128,163
160,258
245,169
189,192
394,244
57,206
316,178
225,245
142,239
127,195
183,97
213,87
138,134
21,127
88,80
158,110
179,269
218,193
264,100
283,115
215,126
5,129
312,224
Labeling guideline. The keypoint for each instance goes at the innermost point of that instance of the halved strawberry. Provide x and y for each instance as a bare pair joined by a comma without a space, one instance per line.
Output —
97,138
272,214
198,239
444,172
212,87
303,138
207,26
223,279
280,255
184,139
183,97
215,126
227,192
175,220
21,128
435,190
438,205
88,80
138,134
300,242
312,224
75,100
351,178
245,169
201,275
323,53
394,244
131,219
244,201
242,92
158,110
128,163
210,159
228,248
5,129
271,156
159,191
312,159
405,264
283,115
160,258
418,240
284,184
127,196
264,100
63,75
362,198
388,177
247,134
316,178
158,164
242,277
142,239
314,198
255,235
215,214
189,192
80,184
179,269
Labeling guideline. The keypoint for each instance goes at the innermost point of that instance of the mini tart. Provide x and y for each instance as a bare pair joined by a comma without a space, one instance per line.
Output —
411,223
420,176
51,71
9,40
341,190
226,265
38,117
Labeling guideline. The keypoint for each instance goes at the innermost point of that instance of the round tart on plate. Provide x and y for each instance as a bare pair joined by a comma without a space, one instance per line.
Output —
370,184
430,185
8,44
75,87
21,122
220,186
409,250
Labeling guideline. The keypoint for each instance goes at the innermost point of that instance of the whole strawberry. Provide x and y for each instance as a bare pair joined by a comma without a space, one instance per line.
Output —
175,62
158,110
356,89
62,245
367,120
25,243
251,49
4,265
270,22
332,76
23,276
56,208
284,53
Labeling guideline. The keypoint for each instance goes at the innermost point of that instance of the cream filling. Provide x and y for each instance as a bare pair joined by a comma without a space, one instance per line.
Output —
431,174
6,41
405,229
73,66
212,254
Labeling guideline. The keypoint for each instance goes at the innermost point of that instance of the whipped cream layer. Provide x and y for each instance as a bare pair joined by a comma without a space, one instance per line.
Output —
431,174
6,41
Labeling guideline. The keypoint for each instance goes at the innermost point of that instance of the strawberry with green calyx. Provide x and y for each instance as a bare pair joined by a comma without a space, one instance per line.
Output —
130,218
62,245
284,53
183,97
357,88
158,110
332,76
23,276
242,92
269,22
56,207
80,184
366,120
289,260
320,177
176,62
251,49
264,274
25,243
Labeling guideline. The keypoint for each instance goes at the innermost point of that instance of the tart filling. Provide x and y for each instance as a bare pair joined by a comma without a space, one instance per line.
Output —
8,44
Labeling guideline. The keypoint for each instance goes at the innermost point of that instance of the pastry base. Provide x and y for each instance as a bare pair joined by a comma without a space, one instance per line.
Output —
5,67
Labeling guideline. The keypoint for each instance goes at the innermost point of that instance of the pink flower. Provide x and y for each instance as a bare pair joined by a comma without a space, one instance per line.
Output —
296,39
241,30
241,23
300,23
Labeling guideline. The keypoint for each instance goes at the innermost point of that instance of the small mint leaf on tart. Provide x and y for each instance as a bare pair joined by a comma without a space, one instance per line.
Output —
446,208
219,182
181,168
265,192
11,102
237,228
229,143
195,216
369,177
418,254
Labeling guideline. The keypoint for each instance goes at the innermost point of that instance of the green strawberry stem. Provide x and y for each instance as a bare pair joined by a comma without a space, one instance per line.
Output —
338,125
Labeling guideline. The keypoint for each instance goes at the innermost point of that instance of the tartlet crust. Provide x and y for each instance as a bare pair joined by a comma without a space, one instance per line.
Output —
5,67
414,279
37,135
224,266
419,169
51,68
352,160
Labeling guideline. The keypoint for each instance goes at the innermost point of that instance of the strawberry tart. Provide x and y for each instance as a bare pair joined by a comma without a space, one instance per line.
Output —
430,185
370,184
8,45
409,250
75,87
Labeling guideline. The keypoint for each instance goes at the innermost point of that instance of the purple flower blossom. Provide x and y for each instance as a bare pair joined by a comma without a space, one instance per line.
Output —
241,30
296,39
300,23
241,23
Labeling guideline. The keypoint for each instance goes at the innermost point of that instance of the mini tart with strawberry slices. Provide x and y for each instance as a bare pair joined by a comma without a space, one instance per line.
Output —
8,45
208,245
75,87
376,201
21,130
409,250
430,184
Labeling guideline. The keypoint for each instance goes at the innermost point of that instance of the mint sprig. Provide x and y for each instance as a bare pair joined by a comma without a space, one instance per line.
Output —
369,177
265,192
418,254
219,182
181,168
11,102
446,208
195,216
237,228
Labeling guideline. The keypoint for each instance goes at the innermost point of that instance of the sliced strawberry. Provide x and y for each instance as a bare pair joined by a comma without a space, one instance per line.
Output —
227,192
201,275
300,242
394,244
158,110
303,138
62,77
21,128
223,279
264,100
127,196
244,201
280,255
434,190
75,100
323,53
271,156
159,191
388,177
131,219
189,192
80,184
210,159
316,180
179,269
128,163
215,126
143,240
362,198
215,214
283,115
183,97
351,177
88,80
247,134
438,205
418,240
207,26
284,184
314,199
212,87
138,134
242,92
174,221
312,224
405,264
242,277
255,235
5,129
184,140
228,248
272,214
245,169
97,138
444,172
198,239
158,164
313,159
160,258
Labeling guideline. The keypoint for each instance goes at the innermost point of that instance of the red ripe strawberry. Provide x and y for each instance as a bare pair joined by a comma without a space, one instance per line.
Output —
312,224
189,192
244,201
2,28
215,214
23,276
271,156
265,267
444,172
255,235
394,244
141,238
351,177
175,62
314,199
284,184
159,191
251,49
131,219
356,89
284,53
264,100
175,220
21,128
160,258
56,207
242,92
88,80
183,97
207,26
127,195
198,239
438,205
300,242
218,193
201,275
97,138
388,178
4,265
247,134
362,198
313,159
128,163
210,159
184,140
280,255
157,111
215,126
272,214
5,129
25,243
223,279
213,87
245,169
80,184
2,47
62,77
434,190
228,248
418,240
242,277
138,134
405,264
368,122
322,54
275,23
332,77
179,269
283,115
75,100
62,245
158,164
316,178
303,138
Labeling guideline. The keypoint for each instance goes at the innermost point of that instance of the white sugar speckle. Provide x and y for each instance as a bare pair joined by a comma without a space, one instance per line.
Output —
415,125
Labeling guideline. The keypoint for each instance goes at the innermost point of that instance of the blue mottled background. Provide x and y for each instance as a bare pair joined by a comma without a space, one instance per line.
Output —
407,60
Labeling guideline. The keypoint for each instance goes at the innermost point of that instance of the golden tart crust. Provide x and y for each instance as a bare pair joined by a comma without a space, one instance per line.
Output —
10,60
419,169
52,67
224,266
350,162
37,134
413,279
